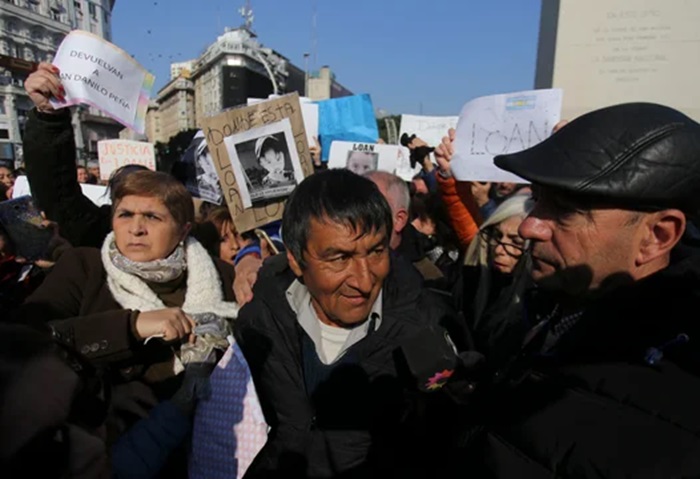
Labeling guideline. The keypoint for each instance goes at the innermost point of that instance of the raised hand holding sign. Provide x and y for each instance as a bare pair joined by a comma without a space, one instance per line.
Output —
98,73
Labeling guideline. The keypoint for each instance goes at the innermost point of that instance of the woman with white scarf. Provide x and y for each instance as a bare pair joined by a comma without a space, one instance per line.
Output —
147,304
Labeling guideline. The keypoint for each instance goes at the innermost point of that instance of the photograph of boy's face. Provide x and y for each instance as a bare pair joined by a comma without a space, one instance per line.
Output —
271,159
360,162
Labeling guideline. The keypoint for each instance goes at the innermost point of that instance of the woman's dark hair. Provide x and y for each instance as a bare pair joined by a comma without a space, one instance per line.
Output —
339,196
159,185
119,174
430,206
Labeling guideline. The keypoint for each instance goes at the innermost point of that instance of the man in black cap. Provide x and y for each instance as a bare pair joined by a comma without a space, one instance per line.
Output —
606,383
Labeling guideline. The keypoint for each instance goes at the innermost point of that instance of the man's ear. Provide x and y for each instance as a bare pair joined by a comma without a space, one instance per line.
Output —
400,220
663,231
293,264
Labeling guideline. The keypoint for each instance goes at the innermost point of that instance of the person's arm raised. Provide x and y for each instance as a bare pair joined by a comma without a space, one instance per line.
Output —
50,155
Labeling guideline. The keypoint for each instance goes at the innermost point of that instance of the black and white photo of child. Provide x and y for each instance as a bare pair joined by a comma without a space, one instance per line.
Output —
361,162
274,167
268,161
200,177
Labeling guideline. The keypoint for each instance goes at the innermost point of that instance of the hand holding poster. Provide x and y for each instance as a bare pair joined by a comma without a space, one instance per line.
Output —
97,73
499,124
361,158
114,154
260,153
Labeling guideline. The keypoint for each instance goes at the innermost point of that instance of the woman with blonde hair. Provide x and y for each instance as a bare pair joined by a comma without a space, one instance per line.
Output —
496,271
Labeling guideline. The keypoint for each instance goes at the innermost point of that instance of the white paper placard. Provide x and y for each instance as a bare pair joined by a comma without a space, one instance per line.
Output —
98,73
364,157
95,193
114,154
500,124
430,129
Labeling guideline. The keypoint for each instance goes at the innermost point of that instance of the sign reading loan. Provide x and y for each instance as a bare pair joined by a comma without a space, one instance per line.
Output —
97,73
499,124
605,52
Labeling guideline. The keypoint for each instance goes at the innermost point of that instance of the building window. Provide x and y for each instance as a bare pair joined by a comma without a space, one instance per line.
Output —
2,106
93,10
93,145
78,8
4,134
106,17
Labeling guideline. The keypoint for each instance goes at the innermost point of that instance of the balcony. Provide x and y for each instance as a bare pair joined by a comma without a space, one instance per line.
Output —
26,13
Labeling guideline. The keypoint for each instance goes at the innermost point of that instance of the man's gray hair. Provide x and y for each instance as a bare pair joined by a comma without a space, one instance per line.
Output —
399,197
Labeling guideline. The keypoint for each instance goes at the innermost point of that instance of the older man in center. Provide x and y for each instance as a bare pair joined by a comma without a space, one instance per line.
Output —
322,337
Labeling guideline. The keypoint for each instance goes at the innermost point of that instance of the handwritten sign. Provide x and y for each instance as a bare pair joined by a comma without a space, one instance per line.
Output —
364,157
97,73
499,124
309,112
431,129
114,154
95,193
238,120
350,118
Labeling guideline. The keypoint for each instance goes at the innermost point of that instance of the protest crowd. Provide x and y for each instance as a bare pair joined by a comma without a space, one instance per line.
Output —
381,328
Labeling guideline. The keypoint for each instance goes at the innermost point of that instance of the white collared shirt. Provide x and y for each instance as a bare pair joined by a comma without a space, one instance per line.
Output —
330,345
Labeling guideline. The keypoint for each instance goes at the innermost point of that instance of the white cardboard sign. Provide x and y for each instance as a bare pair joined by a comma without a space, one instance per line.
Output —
500,124
114,154
431,129
95,193
361,158
98,73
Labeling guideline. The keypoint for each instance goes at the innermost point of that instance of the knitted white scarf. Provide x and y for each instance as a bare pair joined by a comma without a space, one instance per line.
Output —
204,291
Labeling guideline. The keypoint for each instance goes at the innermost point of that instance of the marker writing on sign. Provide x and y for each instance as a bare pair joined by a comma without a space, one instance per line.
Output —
363,147
497,142
97,87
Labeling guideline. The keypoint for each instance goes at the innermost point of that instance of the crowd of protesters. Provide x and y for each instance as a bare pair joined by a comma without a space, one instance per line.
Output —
383,328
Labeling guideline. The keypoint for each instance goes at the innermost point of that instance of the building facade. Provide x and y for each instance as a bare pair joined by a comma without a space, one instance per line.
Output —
176,109
237,67
182,69
30,32
231,70
323,85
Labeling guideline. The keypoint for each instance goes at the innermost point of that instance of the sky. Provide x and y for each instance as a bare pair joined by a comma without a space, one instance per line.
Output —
411,56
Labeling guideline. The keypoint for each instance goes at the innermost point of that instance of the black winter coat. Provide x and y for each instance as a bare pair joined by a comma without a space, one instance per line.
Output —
365,419
595,407
49,155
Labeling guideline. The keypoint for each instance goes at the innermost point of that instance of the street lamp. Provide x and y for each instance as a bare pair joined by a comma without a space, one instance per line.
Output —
306,73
